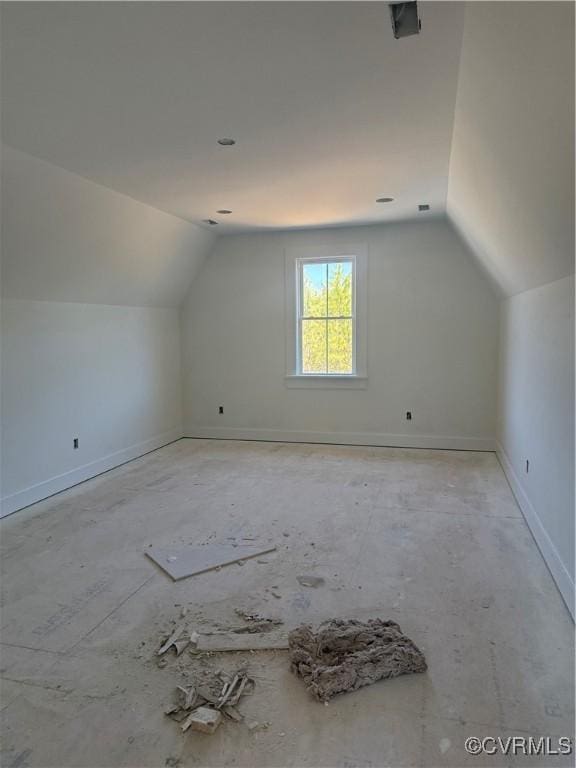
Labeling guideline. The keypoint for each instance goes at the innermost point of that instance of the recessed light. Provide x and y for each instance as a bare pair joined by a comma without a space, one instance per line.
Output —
224,211
385,200
226,142
424,207
210,221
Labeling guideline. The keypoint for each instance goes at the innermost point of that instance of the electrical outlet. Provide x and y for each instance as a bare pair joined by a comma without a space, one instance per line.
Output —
75,443
220,409
408,415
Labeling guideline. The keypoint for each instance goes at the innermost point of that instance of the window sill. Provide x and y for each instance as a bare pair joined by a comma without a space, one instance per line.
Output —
307,381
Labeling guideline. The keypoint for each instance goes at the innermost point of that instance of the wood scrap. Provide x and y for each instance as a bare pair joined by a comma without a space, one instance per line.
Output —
231,643
260,626
204,693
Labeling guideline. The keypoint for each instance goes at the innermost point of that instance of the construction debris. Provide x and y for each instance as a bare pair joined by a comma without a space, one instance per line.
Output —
254,725
310,581
188,696
256,617
232,638
233,714
204,719
345,654
179,564
199,707
255,623
178,640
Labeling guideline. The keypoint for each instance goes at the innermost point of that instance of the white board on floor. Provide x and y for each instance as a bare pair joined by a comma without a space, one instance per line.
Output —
181,563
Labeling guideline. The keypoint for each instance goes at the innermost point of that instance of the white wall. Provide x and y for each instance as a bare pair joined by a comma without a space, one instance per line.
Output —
511,183
432,343
91,281
108,375
536,418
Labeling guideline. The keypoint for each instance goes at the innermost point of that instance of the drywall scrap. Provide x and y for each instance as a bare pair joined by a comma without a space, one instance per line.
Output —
204,719
181,563
179,641
345,654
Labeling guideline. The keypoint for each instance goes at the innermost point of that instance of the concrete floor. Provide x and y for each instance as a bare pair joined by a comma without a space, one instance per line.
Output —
431,539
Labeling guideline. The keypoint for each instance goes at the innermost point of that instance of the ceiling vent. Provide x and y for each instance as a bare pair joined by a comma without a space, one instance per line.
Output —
424,207
405,21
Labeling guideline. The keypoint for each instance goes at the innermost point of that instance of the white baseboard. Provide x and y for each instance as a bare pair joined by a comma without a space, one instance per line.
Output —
559,572
344,438
34,493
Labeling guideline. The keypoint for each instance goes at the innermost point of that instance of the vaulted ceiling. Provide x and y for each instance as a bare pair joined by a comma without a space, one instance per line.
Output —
329,112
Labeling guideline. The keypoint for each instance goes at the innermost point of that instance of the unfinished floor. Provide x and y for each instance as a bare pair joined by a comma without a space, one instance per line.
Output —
431,539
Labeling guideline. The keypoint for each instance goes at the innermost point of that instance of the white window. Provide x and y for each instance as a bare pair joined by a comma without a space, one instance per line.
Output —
326,312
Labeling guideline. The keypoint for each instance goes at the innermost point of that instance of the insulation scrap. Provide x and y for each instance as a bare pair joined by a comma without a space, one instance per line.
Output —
346,654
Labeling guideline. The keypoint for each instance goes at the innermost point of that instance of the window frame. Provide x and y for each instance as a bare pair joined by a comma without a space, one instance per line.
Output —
295,258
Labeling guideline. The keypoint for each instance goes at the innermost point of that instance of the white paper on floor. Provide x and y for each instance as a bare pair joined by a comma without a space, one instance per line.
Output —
180,563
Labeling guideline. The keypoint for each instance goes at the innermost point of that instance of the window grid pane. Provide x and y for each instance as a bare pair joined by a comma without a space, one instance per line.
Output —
314,290
339,346
327,317
314,346
339,293
327,290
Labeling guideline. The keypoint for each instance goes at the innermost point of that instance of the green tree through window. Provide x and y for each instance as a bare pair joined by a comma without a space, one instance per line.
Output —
327,317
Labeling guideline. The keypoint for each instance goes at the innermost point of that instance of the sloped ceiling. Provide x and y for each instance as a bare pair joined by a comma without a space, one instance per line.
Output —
329,111
511,187
67,239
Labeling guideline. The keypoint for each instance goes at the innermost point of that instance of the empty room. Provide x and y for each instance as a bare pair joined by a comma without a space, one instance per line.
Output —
287,384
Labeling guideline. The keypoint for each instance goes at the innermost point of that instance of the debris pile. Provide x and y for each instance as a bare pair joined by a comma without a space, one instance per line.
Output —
200,707
345,654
